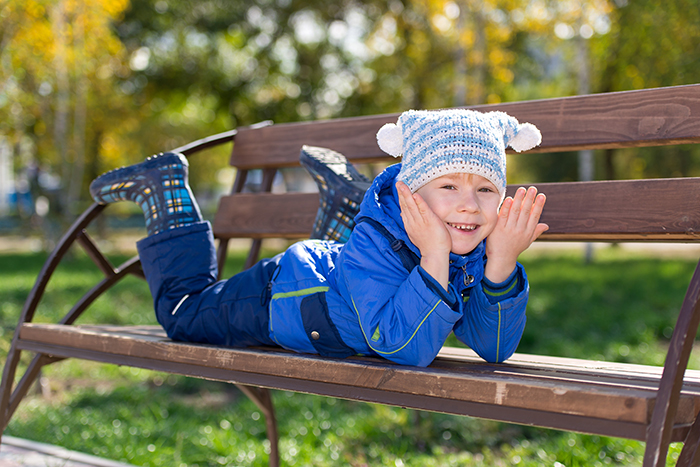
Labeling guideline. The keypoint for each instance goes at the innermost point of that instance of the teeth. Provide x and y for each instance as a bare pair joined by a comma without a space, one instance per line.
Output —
464,227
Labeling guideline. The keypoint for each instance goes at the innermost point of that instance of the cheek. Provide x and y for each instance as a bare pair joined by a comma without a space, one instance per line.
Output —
491,208
488,229
436,204
444,213
492,220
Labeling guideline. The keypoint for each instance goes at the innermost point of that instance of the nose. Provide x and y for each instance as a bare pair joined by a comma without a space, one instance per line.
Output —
469,202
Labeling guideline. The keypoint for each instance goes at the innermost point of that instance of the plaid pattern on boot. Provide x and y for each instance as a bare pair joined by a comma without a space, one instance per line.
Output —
158,185
341,188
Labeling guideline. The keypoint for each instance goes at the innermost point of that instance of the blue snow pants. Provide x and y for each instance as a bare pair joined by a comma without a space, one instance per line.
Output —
191,305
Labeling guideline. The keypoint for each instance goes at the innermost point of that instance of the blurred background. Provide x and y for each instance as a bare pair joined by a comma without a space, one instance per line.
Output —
89,86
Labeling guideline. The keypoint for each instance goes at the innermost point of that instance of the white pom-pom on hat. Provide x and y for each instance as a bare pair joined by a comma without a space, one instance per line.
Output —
390,139
528,137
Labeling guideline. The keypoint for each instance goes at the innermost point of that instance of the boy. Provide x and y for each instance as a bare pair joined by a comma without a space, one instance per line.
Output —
431,253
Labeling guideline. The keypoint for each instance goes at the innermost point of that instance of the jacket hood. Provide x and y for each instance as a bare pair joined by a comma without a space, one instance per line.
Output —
381,202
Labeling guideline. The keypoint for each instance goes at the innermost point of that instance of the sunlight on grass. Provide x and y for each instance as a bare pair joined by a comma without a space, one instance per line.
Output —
620,308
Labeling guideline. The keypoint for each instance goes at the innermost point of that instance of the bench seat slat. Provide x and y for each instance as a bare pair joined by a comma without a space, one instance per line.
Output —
663,209
501,385
572,368
650,117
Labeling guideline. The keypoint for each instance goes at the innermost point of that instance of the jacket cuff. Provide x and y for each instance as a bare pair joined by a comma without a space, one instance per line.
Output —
511,287
448,296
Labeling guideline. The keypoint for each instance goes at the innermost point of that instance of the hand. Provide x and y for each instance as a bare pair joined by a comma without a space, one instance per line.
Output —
427,231
517,227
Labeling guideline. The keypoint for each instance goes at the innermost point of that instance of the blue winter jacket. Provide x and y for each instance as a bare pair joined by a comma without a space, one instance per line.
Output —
363,298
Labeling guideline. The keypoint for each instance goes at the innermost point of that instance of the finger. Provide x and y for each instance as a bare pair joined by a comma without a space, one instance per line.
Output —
402,200
405,197
530,198
529,203
537,208
405,203
515,208
403,190
539,230
415,201
417,210
504,211
526,207
424,210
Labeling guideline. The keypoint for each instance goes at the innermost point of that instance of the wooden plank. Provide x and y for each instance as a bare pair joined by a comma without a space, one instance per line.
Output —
590,399
649,117
621,371
557,421
265,215
642,375
577,369
555,368
631,210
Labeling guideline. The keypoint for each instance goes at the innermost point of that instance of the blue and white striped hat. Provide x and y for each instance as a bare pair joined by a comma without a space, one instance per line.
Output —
433,143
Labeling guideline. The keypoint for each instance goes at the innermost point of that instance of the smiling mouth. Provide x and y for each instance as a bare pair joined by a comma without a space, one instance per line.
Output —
465,227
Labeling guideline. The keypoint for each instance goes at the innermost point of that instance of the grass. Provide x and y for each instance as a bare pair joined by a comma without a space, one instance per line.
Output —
620,308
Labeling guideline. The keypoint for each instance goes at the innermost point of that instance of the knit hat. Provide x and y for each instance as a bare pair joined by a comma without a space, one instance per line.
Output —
433,143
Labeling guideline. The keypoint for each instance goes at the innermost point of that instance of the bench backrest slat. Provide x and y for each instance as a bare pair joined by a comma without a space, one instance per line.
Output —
649,117
632,210
266,215
629,210
658,210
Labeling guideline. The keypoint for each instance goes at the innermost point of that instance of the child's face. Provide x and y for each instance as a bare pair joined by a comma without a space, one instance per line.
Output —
468,206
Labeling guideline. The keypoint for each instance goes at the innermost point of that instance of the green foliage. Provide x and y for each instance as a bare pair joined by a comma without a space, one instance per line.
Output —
620,308
127,303
650,44
158,74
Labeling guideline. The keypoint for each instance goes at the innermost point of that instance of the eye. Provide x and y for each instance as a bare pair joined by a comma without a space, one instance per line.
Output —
486,189
448,187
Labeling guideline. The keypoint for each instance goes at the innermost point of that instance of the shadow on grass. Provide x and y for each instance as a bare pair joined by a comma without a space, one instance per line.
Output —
620,308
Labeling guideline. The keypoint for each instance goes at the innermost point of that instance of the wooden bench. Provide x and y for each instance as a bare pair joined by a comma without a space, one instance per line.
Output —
653,404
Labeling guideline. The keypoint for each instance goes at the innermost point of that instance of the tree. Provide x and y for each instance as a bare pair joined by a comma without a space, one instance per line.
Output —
56,74
438,53
95,85
651,44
